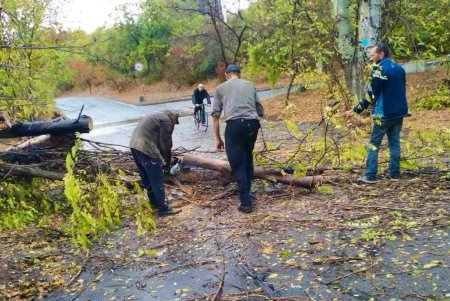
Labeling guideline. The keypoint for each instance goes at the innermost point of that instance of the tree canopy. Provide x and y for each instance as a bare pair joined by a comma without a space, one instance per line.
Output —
183,43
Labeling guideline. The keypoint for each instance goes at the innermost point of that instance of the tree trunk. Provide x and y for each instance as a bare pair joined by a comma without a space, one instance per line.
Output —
213,16
369,26
345,41
239,44
291,83
368,35
259,172
83,125
354,53
19,170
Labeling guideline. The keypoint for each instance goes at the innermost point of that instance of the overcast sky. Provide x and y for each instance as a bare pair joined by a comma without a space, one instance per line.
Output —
88,14
91,14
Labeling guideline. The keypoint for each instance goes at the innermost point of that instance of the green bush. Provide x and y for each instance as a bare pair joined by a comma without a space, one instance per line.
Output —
23,202
437,100
187,66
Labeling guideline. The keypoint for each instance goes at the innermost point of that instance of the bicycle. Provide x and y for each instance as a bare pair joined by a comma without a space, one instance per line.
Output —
201,118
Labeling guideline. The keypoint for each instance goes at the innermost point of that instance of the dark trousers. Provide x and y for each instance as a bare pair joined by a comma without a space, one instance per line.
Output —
240,138
392,129
152,178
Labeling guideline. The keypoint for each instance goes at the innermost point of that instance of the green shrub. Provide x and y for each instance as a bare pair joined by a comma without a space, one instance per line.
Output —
187,66
437,100
25,202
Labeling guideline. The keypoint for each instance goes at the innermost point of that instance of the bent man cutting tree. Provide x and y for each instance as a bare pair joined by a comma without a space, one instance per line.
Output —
151,144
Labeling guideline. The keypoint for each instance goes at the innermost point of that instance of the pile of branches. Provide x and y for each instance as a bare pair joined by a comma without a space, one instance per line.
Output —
48,161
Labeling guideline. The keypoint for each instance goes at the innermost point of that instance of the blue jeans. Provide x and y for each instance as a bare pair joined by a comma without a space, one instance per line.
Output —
392,128
152,178
240,138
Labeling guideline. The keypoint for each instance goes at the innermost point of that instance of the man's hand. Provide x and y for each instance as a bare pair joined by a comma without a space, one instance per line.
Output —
216,129
219,145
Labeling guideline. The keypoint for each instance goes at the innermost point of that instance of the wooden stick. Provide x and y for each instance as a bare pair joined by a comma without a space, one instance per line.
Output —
77,275
222,278
21,170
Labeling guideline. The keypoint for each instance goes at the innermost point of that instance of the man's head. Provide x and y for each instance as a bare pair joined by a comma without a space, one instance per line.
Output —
200,87
173,116
232,70
378,52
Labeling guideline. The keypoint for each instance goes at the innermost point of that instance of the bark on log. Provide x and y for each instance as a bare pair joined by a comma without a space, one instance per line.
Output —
259,172
20,170
83,125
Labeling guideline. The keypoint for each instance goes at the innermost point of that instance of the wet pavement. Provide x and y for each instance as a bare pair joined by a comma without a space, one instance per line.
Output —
296,245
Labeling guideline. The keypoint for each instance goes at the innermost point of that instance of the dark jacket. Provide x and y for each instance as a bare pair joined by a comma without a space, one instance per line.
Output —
198,96
386,92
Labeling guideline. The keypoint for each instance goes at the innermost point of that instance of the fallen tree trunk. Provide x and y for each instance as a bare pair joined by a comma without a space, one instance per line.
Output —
45,141
35,141
259,172
83,124
20,170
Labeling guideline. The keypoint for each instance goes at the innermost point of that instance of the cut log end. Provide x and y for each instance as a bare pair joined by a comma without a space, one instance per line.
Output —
90,124
4,117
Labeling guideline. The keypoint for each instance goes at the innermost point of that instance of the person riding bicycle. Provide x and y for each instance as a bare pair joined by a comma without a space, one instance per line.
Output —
198,96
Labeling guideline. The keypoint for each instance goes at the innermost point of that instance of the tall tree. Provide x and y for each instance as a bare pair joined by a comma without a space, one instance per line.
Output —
289,37
31,66
417,29
356,36
230,27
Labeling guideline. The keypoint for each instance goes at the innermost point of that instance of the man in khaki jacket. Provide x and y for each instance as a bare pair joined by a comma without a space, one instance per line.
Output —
151,144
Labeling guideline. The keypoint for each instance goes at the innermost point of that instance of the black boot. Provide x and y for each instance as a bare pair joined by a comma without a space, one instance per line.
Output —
245,209
168,211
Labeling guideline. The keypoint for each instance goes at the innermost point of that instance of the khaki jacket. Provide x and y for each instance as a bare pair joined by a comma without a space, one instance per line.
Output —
153,137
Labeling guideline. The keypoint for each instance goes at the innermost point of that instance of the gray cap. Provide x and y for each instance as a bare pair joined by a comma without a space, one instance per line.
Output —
174,113
232,68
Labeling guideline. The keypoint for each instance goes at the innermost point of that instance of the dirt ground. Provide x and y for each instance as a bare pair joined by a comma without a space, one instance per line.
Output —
307,107
341,241
157,92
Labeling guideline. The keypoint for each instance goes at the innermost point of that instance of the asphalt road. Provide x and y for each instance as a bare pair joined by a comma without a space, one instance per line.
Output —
114,121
